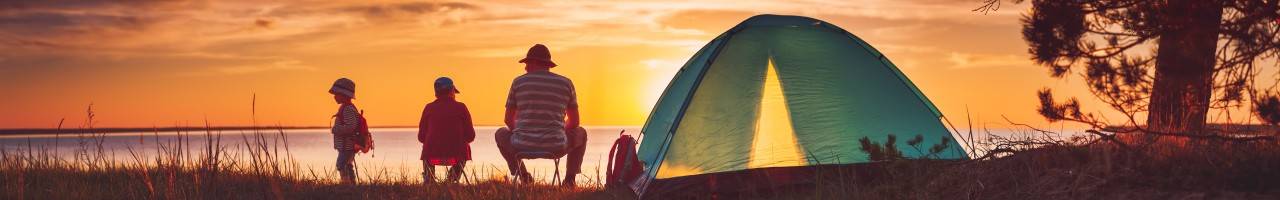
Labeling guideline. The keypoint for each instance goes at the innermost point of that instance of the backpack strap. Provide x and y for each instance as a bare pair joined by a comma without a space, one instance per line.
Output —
362,131
362,122
628,143
338,116
612,155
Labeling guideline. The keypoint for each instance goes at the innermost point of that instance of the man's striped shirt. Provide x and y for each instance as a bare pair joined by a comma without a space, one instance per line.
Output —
540,99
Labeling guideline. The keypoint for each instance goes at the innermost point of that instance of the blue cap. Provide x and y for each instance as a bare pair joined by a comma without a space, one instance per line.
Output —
444,84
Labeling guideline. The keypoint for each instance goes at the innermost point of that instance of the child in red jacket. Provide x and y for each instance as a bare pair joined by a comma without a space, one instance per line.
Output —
445,132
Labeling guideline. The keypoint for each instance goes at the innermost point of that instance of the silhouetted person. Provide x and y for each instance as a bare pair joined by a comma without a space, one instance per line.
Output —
537,106
445,132
345,127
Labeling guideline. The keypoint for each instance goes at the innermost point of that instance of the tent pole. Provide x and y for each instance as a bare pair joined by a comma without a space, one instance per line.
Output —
957,133
666,145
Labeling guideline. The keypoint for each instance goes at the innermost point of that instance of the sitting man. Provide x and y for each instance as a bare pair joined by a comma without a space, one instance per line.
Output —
537,105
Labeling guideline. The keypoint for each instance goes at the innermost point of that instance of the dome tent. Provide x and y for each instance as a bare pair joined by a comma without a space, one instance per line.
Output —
780,93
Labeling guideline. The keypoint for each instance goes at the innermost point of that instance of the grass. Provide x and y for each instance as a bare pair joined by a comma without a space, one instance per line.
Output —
1034,165
261,168
1097,171
1036,170
1039,166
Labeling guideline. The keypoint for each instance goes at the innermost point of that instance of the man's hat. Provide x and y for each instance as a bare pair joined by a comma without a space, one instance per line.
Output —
344,87
445,84
538,53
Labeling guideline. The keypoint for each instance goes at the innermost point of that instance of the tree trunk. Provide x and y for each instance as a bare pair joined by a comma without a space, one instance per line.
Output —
1184,66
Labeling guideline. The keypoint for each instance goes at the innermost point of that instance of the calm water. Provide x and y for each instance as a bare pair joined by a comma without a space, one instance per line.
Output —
397,150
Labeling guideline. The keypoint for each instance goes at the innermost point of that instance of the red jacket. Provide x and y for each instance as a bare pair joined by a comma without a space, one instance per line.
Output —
446,131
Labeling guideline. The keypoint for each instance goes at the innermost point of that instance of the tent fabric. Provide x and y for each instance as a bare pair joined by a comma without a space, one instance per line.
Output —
782,91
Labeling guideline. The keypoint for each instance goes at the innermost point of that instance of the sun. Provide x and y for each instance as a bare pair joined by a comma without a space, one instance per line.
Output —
661,73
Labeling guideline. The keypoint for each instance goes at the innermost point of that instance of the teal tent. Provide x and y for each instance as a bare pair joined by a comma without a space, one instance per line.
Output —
781,92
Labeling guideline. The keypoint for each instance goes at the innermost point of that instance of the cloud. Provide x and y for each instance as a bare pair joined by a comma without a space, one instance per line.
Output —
282,65
142,29
264,23
695,19
912,49
52,24
93,28
663,64
409,8
80,5
499,52
274,66
968,61
168,26
26,43
436,13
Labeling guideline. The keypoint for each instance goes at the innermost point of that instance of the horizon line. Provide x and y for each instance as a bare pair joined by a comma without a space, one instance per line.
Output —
32,131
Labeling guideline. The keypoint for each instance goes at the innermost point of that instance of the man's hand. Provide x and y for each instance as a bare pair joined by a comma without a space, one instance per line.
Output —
510,119
572,121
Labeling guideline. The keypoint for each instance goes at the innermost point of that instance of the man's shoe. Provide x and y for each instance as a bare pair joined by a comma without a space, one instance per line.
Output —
569,182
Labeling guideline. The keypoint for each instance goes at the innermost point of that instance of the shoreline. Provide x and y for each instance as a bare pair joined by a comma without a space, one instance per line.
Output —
161,129
45,131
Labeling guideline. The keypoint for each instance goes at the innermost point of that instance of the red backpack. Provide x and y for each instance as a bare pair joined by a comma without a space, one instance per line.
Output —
623,166
363,139
362,142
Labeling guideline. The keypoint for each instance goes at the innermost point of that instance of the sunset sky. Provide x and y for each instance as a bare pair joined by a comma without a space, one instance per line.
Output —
166,63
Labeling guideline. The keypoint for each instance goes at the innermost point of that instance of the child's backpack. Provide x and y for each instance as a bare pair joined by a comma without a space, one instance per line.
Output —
363,139
623,166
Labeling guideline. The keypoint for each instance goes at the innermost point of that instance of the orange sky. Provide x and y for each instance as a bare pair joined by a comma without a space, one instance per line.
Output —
147,63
